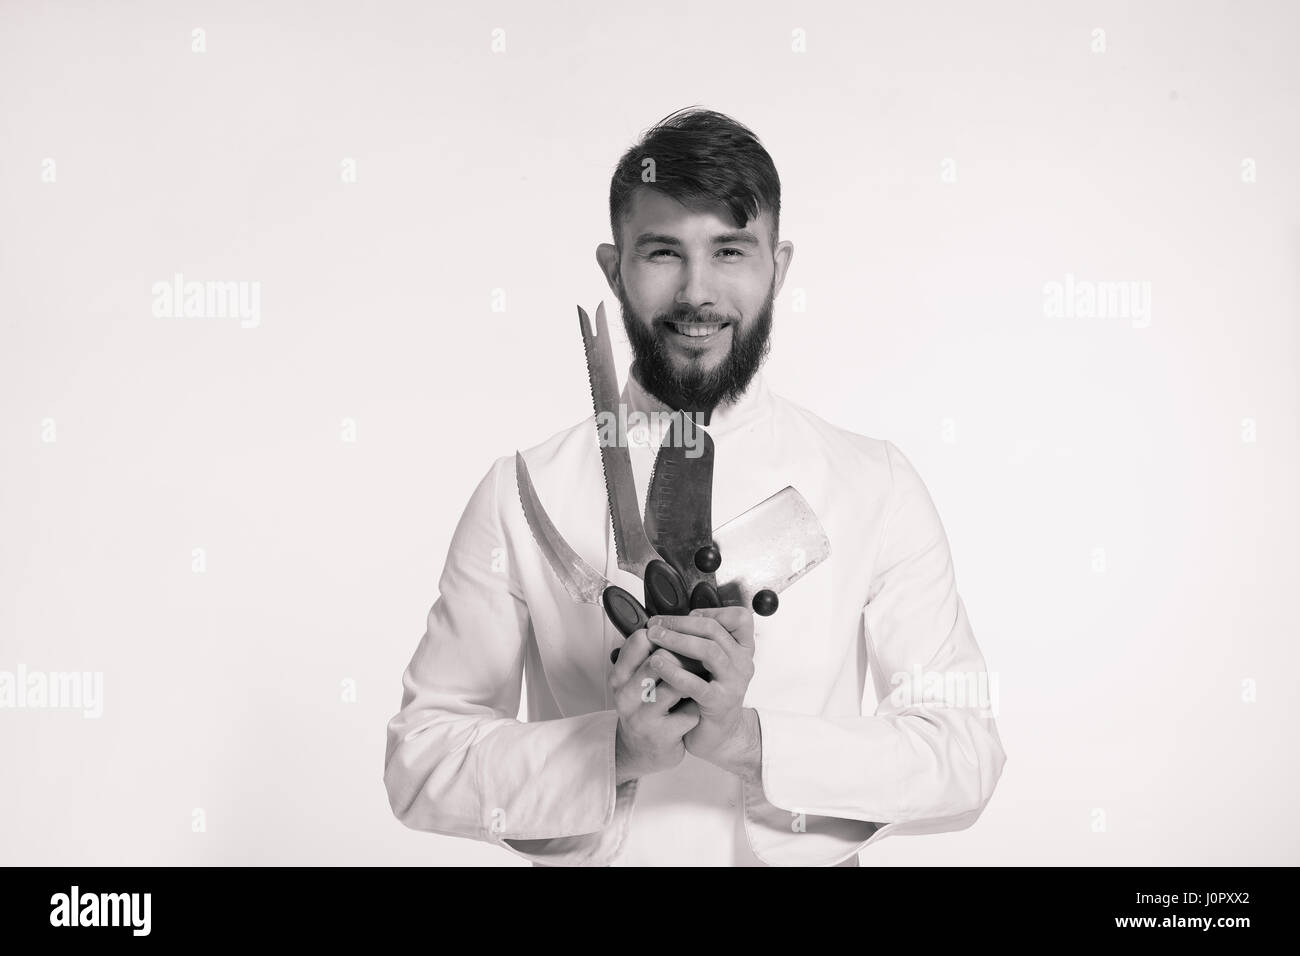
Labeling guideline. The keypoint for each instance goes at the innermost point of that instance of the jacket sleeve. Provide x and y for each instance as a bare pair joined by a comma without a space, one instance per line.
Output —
457,761
928,759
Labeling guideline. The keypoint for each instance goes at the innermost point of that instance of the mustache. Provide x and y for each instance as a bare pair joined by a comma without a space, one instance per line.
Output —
691,387
689,316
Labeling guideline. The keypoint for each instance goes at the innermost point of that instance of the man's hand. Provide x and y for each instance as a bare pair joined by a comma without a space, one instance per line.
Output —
649,738
722,639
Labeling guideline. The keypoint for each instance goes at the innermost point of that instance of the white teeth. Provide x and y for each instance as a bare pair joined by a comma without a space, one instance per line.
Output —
695,331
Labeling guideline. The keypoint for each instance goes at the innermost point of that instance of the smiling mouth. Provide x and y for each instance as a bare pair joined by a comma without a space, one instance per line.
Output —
697,330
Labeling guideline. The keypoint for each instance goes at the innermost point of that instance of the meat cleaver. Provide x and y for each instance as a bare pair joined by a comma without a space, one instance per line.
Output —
769,547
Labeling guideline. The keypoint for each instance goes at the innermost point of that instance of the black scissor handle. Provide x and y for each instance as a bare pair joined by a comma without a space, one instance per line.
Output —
666,594
623,610
705,595
665,591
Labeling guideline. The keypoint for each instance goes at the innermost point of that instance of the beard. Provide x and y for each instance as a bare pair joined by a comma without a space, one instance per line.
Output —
692,387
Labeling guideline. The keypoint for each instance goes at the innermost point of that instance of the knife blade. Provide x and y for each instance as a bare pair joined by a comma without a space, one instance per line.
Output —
769,547
766,549
679,505
630,541
665,592
584,583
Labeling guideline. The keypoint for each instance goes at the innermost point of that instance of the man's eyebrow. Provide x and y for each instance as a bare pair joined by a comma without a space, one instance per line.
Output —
655,239
743,237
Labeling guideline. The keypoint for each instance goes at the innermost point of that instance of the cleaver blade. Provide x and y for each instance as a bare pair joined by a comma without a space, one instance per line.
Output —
769,547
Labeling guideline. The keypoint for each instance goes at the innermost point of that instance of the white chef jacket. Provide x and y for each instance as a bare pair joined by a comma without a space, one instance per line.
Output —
835,780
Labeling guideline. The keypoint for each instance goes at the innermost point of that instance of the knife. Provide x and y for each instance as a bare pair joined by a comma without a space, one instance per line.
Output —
752,567
584,583
679,507
768,548
665,592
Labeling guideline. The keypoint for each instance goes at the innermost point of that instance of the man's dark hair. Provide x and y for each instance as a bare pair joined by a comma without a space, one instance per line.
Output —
700,157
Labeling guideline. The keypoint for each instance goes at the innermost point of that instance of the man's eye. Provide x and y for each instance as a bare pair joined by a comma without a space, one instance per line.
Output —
725,253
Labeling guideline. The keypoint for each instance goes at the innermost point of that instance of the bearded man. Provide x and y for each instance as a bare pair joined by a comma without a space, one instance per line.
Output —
768,756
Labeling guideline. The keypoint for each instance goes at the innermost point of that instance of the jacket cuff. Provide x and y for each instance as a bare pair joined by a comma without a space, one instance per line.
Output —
807,767
564,810
779,830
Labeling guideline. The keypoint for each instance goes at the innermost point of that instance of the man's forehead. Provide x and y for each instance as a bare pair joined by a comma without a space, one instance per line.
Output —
650,212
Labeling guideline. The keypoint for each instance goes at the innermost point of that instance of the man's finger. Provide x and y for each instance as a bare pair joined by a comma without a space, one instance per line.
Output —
665,696
708,652
736,621
703,623
683,719
686,683
631,656
630,695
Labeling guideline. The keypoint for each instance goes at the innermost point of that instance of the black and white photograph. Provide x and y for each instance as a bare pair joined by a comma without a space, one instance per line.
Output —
606,435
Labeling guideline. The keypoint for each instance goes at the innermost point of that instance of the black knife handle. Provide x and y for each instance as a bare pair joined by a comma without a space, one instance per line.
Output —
629,616
665,591
705,595
623,610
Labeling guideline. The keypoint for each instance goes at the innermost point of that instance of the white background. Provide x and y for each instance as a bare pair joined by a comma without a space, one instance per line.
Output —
1121,694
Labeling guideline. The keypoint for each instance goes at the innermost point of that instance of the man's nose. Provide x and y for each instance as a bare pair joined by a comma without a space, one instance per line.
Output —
697,286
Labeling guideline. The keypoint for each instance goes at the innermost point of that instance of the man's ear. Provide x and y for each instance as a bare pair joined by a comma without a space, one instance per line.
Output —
781,259
607,259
